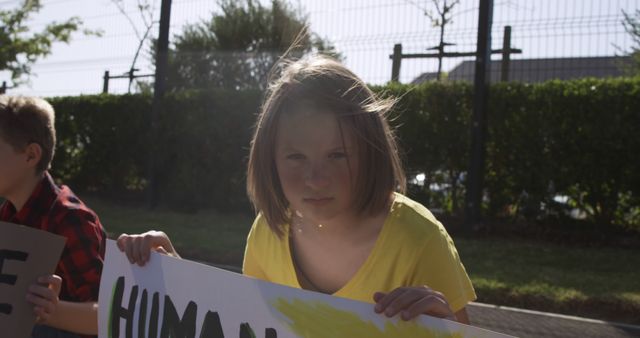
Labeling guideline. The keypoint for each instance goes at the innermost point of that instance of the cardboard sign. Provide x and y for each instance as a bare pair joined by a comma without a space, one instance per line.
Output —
169,297
25,255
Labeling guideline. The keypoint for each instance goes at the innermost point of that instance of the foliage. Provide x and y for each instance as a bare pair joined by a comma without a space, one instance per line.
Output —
632,26
237,48
553,149
20,48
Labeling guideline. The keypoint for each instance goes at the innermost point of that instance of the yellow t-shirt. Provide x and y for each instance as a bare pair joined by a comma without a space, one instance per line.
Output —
412,249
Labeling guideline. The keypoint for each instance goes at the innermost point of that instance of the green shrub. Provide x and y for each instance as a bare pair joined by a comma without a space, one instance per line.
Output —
575,139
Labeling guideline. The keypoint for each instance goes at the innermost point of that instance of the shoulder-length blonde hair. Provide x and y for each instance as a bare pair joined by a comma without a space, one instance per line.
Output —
320,82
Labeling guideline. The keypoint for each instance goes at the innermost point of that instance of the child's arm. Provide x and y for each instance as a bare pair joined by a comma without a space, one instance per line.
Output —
411,302
69,316
75,317
138,247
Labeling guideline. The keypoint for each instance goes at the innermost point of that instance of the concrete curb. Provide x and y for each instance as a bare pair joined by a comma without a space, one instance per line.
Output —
560,316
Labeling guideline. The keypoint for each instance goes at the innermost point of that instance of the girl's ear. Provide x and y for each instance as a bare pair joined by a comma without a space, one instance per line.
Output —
33,151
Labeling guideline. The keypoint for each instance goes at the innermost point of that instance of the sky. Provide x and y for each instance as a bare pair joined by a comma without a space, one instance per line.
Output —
363,31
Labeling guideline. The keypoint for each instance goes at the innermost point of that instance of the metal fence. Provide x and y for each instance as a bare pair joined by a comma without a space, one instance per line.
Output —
556,39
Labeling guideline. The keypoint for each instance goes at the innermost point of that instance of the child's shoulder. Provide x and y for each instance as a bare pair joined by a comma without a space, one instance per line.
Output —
262,240
260,230
413,221
68,211
67,201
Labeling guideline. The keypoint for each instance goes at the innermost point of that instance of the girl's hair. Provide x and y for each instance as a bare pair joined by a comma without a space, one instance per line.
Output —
322,83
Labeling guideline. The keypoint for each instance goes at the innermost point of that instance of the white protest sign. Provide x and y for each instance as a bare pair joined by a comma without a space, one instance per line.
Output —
169,297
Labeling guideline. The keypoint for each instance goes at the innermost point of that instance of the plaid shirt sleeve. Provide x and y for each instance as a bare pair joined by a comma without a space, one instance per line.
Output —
82,259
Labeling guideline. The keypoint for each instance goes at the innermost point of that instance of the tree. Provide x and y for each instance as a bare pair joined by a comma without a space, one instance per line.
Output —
632,26
237,48
19,49
146,10
441,20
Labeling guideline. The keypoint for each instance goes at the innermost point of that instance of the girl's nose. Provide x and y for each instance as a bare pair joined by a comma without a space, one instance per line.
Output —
317,177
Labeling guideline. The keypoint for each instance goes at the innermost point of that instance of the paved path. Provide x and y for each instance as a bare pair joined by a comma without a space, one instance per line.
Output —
525,323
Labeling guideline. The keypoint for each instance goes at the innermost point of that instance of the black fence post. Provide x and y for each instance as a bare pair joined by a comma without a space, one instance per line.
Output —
105,82
397,59
158,94
506,54
475,176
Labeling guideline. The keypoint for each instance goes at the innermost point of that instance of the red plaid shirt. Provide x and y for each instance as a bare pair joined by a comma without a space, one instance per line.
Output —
58,210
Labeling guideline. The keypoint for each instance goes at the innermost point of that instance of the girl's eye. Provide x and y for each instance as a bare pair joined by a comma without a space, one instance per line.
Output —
295,157
337,155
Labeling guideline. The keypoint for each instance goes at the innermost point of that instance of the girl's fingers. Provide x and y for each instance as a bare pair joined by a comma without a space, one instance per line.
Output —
53,281
162,250
161,240
431,305
42,291
137,248
128,249
403,301
145,248
382,304
44,296
39,302
122,242
413,301
378,296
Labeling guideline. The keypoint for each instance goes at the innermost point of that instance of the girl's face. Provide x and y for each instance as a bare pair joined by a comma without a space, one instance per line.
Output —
315,162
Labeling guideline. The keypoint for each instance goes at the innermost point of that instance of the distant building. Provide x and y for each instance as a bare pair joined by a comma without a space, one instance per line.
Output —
424,77
539,70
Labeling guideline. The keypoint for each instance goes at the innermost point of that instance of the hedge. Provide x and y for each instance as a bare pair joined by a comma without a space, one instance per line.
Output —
551,147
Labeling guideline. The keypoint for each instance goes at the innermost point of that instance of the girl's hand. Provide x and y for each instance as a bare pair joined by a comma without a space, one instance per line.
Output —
413,301
44,297
138,247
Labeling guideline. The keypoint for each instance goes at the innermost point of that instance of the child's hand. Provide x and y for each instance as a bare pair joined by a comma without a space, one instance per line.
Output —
413,301
137,247
44,297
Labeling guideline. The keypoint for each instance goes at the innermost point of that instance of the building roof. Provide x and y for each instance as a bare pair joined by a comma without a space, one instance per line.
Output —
539,70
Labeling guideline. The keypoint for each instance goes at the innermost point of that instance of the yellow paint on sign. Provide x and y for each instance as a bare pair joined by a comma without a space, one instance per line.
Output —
319,320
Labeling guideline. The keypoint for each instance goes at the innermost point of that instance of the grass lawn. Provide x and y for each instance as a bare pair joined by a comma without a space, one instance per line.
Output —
599,283
206,235
596,282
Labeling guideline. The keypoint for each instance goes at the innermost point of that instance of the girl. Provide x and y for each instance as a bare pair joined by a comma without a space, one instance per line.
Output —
326,180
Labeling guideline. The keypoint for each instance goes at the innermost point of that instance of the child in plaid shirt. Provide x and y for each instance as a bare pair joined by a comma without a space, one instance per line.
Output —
64,303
